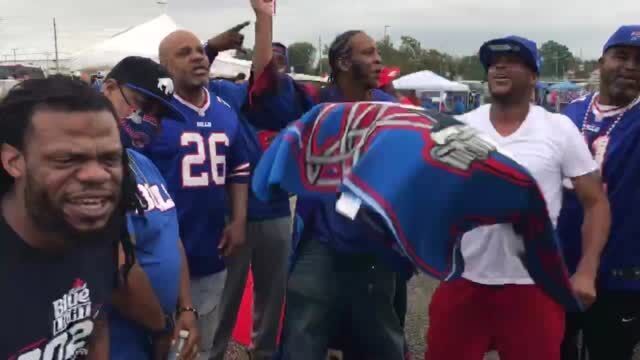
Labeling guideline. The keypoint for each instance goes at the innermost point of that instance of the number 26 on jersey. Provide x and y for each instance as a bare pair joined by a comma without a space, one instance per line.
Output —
205,148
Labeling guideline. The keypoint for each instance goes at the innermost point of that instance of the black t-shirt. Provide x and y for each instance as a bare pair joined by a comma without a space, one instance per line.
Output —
48,303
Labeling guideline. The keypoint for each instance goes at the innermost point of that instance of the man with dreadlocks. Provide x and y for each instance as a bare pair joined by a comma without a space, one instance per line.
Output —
63,200
336,274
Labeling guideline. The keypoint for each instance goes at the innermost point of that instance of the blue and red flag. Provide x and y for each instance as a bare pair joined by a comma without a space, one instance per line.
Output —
426,177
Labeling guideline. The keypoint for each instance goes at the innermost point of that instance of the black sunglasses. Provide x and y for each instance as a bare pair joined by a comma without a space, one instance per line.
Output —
146,107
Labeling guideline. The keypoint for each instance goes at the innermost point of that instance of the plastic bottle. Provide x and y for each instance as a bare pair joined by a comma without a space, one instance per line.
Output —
174,354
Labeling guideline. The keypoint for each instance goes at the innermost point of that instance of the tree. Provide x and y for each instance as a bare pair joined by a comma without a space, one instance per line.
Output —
410,47
470,68
301,56
390,55
584,68
556,59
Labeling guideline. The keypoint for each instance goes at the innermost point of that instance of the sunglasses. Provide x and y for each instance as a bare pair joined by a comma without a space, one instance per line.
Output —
146,106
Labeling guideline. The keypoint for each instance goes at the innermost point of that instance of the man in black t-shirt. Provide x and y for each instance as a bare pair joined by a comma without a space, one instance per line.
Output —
62,197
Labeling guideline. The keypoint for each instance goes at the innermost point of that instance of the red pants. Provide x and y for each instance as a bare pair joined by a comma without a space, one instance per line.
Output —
468,319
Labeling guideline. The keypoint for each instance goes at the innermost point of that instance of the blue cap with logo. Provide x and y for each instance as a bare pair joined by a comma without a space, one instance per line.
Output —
526,49
627,35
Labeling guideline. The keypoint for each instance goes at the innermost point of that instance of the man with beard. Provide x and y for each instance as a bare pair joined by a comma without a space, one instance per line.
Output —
63,207
610,123
336,274
496,297
141,92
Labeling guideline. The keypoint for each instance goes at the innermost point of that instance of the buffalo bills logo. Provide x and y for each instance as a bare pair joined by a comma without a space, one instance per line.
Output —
166,86
338,139
459,146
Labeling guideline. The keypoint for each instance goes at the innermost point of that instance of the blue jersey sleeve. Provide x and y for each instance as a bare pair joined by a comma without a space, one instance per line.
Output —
233,94
239,165
576,110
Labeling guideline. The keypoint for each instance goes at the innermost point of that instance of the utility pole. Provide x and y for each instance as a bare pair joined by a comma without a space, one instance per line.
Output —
55,40
14,55
386,34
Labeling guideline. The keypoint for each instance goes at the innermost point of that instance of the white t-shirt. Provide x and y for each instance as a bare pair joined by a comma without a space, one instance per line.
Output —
551,147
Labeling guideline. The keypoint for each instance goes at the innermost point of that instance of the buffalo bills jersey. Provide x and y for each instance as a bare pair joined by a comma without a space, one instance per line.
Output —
156,242
621,174
198,157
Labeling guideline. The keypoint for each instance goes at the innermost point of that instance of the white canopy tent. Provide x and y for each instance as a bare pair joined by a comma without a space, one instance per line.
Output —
428,81
143,40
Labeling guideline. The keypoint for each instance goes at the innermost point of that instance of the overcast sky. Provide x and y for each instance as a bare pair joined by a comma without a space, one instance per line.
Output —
456,26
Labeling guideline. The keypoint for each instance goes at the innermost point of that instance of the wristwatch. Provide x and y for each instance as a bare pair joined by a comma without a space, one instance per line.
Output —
180,310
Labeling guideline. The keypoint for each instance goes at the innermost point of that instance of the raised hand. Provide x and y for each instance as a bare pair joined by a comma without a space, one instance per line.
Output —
263,7
230,39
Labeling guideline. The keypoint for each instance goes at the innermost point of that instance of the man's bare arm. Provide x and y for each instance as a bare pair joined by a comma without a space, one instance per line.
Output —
262,52
233,236
595,232
597,220
136,299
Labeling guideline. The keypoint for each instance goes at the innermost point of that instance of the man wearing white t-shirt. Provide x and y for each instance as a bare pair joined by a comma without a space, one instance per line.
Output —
496,304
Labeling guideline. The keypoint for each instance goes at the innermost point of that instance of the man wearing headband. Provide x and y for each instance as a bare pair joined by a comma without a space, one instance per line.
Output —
496,304
610,124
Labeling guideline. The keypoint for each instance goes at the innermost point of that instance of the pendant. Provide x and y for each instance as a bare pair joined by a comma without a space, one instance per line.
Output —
599,148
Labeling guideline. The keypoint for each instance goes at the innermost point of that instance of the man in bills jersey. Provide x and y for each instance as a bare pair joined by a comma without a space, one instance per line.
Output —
496,296
610,124
205,164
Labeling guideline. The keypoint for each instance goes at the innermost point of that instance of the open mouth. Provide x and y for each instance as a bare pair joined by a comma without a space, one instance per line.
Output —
200,71
89,206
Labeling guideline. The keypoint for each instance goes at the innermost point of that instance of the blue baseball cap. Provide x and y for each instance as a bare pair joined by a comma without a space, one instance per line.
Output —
628,35
526,49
